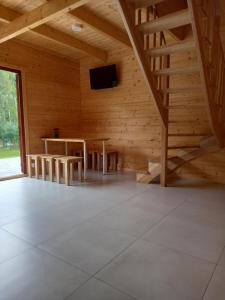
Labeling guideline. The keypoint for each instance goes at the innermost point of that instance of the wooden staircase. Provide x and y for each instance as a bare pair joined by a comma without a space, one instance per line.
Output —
149,26
183,155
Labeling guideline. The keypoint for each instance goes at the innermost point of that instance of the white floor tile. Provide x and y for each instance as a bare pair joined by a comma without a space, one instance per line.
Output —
157,200
97,290
128,219
216,289
89,246
222,259
147,271
35,275
196,237
47,223
93,226
10,246
208,212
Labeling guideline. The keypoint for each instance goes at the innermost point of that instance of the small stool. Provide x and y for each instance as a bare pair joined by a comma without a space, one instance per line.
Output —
48,158
111,160
92,159
68,167
36,158
77,152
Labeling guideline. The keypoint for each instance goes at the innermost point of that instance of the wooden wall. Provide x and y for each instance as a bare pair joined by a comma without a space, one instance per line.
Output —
128,116
125,113
51,90
57,94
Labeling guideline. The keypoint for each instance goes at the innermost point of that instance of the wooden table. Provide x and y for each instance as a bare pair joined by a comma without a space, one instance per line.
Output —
84,141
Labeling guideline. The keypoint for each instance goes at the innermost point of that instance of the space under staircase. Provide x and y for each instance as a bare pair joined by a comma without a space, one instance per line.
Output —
148,29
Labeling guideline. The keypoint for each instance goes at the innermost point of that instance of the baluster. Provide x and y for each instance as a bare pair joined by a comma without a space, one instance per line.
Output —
139,15
148,18
161,59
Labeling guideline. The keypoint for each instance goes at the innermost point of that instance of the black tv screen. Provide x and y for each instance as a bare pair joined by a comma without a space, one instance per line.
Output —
103,77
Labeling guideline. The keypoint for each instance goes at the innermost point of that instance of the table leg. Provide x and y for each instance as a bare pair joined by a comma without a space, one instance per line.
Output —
104,158
46,147
85,160
43,168
57,170
51,171
66,172
66,148
29,163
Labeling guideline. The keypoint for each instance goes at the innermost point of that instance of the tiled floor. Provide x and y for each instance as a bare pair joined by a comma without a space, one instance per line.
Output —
111,239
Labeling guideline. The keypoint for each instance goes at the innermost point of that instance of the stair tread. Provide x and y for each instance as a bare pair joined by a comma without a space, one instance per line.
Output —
174,48
183,147
187,134
187,106
145,3
178,70
184,90
172,20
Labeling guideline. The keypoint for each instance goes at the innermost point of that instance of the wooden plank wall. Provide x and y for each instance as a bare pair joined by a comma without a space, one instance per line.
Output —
51,88
127,115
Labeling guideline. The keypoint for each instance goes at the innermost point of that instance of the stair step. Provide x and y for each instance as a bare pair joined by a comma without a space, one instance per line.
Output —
175,48
189,89
178,71
166,22
145,3
183,147
174,107
210,144
187,134
186,123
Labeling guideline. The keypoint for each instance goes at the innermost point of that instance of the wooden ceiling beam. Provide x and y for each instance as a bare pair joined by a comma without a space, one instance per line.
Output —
71,42
37,17
101,25
9,15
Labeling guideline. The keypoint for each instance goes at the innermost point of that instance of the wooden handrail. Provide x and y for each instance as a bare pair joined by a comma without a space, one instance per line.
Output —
152,41
132,17
156,64
205,26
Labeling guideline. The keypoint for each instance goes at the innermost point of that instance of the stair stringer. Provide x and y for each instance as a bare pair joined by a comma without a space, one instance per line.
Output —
207,145
128,15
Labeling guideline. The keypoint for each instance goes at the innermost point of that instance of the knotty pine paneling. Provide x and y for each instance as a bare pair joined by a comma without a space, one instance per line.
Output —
128,116
51,88
125,113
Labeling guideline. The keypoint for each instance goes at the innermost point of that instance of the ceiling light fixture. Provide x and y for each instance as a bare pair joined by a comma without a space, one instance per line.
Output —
77,27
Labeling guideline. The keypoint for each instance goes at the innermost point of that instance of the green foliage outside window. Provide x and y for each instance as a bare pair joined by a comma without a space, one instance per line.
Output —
8,109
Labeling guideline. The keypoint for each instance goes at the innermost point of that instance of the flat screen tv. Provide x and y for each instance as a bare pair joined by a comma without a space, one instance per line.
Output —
103,77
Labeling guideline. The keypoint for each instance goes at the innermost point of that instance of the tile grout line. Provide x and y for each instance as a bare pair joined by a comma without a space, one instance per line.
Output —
119,253
36,246
213,272
131,244
138,238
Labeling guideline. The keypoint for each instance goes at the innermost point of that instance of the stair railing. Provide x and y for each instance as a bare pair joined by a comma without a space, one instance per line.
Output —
157,63
151,41
205,25
132,17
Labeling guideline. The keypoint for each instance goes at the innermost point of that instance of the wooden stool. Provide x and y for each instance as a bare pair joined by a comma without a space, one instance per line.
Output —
48,158
92,159
78,152
68,167
111,160
36,158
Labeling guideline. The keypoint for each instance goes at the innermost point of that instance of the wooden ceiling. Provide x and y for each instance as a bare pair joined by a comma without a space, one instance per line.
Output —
61,40
102,32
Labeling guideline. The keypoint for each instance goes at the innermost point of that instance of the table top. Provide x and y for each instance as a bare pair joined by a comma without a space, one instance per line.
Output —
75,140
